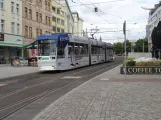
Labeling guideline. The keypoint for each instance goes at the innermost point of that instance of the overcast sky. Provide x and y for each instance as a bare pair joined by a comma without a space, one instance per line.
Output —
111,15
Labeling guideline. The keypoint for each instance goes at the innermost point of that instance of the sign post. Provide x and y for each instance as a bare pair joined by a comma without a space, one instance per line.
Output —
124,31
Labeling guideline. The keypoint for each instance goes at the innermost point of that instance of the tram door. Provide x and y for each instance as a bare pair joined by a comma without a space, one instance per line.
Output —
71,55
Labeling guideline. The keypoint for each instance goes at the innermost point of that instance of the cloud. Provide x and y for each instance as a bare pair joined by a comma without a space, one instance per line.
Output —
111,16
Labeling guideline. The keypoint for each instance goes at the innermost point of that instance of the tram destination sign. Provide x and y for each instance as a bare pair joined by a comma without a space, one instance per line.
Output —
44,58
141,70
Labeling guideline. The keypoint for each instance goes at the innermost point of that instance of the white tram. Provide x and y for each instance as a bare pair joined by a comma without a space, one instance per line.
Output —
65,51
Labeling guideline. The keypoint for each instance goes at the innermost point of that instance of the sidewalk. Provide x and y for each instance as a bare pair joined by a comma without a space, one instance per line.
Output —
109,97
9,71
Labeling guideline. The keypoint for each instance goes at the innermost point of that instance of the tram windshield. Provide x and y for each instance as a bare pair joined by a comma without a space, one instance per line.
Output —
46,47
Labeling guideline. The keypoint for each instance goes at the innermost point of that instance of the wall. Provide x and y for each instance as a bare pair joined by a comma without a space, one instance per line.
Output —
138,55
32,22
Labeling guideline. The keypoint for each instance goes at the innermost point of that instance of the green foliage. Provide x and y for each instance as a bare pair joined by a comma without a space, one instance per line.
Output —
118,48
128,46
139,45
129,62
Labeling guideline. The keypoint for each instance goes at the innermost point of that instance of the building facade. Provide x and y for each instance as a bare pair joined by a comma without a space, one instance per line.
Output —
36,20
10,28
59,23
78,24
154,19
63,6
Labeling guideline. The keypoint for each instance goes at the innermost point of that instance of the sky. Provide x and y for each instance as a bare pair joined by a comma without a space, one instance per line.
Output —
111,15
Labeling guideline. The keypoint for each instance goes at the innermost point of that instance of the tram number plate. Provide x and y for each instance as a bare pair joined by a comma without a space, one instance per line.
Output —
45,58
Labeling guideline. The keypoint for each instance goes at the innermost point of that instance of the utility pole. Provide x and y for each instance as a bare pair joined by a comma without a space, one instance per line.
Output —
124,31
96,30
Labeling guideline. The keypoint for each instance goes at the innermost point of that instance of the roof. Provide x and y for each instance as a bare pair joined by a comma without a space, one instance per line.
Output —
54,36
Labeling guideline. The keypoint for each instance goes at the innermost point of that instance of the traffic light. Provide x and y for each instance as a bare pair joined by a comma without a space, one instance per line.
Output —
1,37
96,9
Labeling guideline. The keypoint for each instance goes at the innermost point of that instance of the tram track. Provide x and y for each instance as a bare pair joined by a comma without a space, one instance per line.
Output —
7,110
41,83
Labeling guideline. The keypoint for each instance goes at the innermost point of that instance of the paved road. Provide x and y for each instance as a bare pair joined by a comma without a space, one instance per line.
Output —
107,98
23,91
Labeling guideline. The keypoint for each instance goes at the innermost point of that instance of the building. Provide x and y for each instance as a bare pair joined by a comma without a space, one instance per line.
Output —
154,19
36,20
59,23
63,7
78,24
11,29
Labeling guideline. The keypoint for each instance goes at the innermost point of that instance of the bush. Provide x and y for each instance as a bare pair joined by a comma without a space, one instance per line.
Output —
139,64
148,63
157,63
129,63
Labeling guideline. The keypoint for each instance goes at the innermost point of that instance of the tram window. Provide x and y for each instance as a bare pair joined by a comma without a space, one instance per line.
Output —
85,49
93,49
71,48
60,51
76,47
82,50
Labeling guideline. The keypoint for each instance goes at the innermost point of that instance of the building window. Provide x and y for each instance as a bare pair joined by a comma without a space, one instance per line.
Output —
58,11
62,22
37,32
54,19
46,20
37,19
26,12
18,29
2,25
12,7
39,3
30,32
1,4
30,14
18,9
62,13
26,31
58,29
54,28
40,32
49,20
58,20
12,27
46,4
49,6
40,17
53,9
62,30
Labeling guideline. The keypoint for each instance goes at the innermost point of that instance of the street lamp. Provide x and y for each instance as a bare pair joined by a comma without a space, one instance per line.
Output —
145,8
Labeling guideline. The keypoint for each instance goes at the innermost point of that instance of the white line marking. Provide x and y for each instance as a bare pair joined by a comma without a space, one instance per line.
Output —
104,79
71,77
2,85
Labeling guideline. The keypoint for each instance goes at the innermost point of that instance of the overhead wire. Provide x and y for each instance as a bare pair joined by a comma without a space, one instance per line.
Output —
95,3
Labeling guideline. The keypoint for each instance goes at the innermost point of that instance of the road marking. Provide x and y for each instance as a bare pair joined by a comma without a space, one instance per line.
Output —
2,85
71,77
104,79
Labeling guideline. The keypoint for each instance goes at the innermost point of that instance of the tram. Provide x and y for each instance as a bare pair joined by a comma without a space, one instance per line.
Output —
64,51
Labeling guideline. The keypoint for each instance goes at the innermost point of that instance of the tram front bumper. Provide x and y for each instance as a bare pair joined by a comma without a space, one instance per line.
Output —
47,68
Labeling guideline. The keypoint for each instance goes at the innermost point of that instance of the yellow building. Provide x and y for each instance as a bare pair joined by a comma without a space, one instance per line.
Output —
62,19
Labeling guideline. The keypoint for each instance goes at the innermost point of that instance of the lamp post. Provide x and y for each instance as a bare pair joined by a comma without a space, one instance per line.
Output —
145,8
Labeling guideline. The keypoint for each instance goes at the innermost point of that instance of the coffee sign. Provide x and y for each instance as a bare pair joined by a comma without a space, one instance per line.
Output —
141,70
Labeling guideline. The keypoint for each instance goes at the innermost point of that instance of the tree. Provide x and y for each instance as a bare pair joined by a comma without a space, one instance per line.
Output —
128,46
139,45
118,47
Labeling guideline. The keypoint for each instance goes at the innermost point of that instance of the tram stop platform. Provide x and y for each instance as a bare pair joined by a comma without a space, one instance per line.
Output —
109,97
7,71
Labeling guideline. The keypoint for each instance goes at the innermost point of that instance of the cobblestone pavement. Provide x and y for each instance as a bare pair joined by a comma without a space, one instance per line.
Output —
102,98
